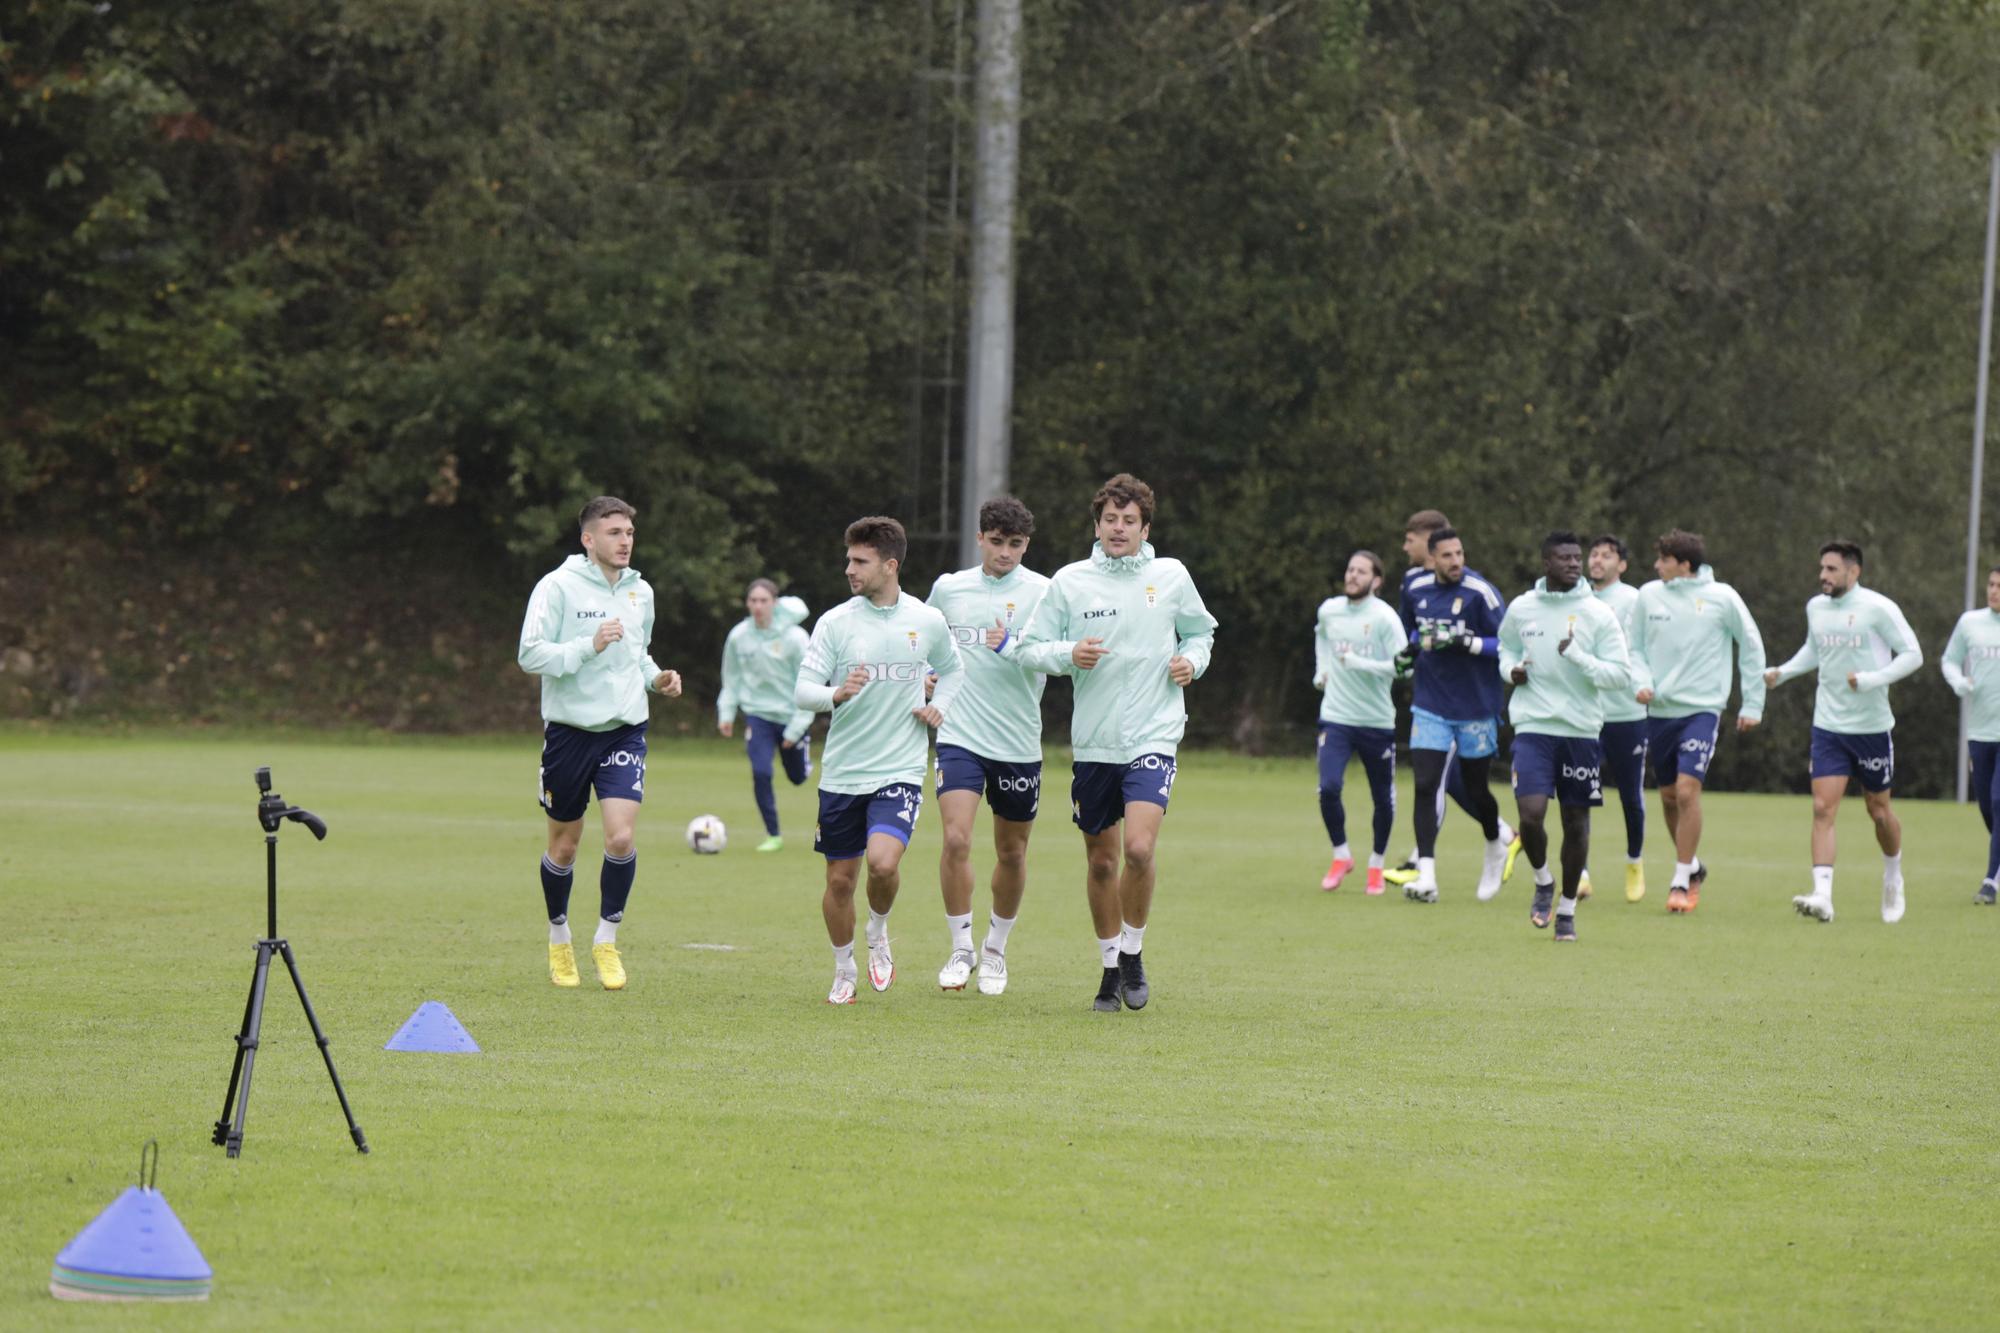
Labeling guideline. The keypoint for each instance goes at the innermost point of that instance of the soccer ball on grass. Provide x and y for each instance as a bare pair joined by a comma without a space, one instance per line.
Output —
706,835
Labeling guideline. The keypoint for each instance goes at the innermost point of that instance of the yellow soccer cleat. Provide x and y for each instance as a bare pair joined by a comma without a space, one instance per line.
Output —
562,965
1583,885
1635,882
610,968
1513,852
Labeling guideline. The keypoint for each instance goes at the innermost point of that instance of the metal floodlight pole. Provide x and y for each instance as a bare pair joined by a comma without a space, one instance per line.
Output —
1972,561
989,392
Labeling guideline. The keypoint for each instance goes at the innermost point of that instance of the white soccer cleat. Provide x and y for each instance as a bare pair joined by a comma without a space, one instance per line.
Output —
843,988
1422,889
956,971
1490,874
881,965
992,972
1892,900
1814,904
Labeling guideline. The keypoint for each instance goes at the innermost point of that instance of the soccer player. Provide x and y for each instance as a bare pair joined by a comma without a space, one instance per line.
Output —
1860,644
1355,643
1563,650
1682,635
760,669
586,634
1972,669
879,646
1417,530
991,744
1131,629
1451,616
1623,740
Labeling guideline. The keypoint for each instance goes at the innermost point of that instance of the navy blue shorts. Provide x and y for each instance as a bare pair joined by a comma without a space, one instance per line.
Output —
1682,747
1013,790
574,761
1871,758
1099,793
1338,742
1569,768
847,822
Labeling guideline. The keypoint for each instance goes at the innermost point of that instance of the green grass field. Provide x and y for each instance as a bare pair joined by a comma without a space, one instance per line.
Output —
1338,1111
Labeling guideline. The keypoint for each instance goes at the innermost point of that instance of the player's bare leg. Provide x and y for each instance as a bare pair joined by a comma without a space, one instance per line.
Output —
885,876
836,905
1533,828
956,810
1102,853
1889,837
1009,886
1680,802
1826,795
1135,899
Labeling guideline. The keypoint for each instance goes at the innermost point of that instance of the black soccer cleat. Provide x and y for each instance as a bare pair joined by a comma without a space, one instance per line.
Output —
1107,993
1985,896
1544,905
1132,986
1700,874
1566,928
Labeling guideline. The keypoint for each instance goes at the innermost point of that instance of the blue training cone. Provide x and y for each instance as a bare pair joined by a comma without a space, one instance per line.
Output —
135,1250
432,1028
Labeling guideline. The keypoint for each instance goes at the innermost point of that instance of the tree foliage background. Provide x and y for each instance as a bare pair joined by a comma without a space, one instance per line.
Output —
320,318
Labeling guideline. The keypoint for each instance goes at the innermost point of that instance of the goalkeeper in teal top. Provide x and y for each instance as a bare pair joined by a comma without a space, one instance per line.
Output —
1131,630
867,664
991,745
1355,642
1972,669
585,634
1687,634
760,669
1564,652
1860,644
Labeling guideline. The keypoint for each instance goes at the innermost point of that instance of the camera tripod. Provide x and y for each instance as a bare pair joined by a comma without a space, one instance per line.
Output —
272,811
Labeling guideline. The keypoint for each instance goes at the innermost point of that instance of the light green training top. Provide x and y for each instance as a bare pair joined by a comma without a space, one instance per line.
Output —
876,739
582,687
1972,669
1564,692
1147,611
1681,640
1355,642
998,715
760,669
1622,600
1863,633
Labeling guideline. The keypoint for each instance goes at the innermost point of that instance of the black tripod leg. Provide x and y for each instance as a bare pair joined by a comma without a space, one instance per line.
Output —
230,1134
236,1069
319,1035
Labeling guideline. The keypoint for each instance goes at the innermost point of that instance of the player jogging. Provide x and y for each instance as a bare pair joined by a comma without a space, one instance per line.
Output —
1451,616
1130,628
1417,530
1682,636
991,745
878,646
1860,644
760,669
1563,651
1623,739
586,632
1972,669
1355,643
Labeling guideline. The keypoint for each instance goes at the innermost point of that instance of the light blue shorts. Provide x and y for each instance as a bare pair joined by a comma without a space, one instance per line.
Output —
1472,740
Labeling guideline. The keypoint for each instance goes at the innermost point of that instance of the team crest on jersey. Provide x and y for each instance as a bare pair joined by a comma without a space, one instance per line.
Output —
1457,605
1700,606
1152,596
633,596
913,640
1010,613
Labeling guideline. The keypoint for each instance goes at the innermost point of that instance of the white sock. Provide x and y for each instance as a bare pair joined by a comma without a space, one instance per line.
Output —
1343,853
1683,874
878,925
607,932
1131,939
961,931
1108,951
1427,869
1375,860
1823,881
996,933
1412,857
1634,861
1543,875
1508,833
559,931
1565,907
843,959
1892,867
